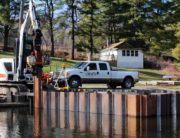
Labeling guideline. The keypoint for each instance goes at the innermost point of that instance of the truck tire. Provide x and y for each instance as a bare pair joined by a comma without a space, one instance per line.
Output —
128,83
74,82
111,86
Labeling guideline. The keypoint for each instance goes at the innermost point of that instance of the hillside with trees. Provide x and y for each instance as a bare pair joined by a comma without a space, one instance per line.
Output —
87,25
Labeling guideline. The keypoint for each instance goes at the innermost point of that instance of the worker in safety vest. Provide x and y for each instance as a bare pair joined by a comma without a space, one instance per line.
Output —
64,73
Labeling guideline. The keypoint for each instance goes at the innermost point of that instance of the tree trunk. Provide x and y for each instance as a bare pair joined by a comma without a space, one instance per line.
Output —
113,29
73,32
110,32
51,15
91,41
52,38
91,31
6,37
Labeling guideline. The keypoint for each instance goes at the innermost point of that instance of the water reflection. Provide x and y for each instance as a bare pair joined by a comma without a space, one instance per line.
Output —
12,123
23,123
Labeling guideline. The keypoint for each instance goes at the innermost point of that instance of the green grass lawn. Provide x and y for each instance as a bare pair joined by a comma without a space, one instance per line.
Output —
147,74
56,63
6,54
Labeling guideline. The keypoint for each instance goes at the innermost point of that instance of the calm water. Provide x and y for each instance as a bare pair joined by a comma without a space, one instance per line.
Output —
24,123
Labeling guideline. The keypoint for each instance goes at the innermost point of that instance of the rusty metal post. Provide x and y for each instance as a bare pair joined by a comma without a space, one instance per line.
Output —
37,69
37,122
37,89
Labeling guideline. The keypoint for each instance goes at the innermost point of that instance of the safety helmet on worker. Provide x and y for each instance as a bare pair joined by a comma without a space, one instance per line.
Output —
63,66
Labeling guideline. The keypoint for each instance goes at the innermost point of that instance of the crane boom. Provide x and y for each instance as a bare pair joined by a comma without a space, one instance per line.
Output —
17,73
30,19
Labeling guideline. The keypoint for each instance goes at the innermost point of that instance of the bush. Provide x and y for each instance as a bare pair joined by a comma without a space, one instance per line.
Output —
153,62
176,52
57,53
172,70
61,54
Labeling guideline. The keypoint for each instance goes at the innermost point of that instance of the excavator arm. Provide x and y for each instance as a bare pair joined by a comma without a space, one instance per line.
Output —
29,22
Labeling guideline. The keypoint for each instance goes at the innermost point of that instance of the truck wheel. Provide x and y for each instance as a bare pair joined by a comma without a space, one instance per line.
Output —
111,86
128,83
74,82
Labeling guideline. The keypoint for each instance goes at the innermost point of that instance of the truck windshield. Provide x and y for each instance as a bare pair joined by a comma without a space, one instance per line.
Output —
8,66
80,65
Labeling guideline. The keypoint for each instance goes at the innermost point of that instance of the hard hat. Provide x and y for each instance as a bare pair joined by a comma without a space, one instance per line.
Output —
63,65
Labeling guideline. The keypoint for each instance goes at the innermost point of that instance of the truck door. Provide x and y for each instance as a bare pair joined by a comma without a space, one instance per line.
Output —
104,73
91,73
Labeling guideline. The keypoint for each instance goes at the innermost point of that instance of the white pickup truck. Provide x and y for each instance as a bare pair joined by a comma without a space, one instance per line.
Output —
98,72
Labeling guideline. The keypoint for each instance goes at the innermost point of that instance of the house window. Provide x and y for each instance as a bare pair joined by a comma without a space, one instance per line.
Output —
128,53
132,53
123,53
136,53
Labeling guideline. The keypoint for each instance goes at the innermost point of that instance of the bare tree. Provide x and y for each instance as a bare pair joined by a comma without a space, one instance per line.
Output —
50,16
5,21
72,6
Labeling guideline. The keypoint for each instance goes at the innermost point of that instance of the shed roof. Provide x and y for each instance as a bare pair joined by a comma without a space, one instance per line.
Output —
120,45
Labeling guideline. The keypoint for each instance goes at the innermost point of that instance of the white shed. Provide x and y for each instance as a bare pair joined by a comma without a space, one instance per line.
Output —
125,55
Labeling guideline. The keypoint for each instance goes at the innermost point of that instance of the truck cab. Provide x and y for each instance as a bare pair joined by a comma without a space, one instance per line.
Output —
7,69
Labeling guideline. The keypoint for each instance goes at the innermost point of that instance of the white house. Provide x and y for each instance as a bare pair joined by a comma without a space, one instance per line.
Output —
124,54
